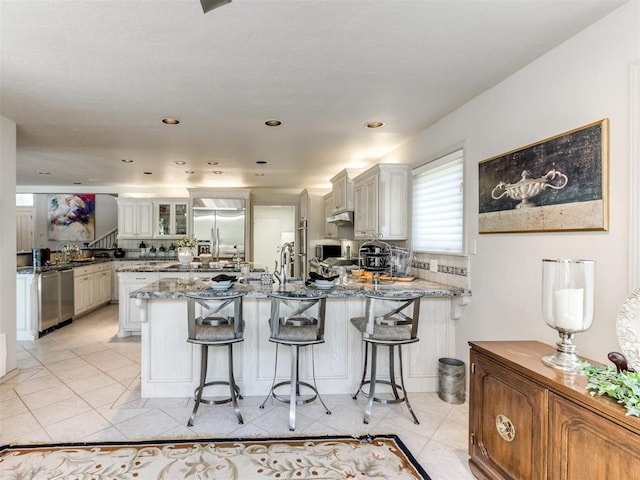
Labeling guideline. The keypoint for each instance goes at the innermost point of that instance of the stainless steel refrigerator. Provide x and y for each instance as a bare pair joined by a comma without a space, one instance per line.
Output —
219,223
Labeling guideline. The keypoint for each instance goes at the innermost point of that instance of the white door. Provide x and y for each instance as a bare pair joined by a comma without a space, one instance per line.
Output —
24,229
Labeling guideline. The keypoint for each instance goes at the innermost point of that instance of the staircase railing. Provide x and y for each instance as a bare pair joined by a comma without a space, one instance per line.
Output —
105,241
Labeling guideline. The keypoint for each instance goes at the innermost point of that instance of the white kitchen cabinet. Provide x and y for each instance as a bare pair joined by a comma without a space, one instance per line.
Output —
365,224
342,192
312,209
128,313
304,205
170,218
330,229
91,287
26,307
381,197
135,218
102,284
115,286
83,289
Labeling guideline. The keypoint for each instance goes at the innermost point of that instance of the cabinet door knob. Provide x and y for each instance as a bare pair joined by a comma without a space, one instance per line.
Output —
506,428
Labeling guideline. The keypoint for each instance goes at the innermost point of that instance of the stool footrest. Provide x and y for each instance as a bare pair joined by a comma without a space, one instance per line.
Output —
384,401
299,398
222,400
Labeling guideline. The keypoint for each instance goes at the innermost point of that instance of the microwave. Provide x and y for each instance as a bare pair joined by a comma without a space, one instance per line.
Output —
328,251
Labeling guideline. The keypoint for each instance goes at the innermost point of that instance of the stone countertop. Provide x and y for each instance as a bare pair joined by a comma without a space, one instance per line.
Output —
134,265
175,288
61,266
173,266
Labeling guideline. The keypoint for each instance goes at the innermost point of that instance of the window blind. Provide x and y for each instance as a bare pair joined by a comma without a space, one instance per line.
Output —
437,218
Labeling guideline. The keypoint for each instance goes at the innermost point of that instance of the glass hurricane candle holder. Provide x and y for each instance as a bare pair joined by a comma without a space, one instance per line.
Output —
567,306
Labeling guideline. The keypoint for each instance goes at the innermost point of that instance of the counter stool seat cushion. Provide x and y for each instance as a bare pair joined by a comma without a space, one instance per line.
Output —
382,332
219,333
293,333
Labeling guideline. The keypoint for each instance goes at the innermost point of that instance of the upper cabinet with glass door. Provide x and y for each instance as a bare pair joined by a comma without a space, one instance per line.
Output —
170,217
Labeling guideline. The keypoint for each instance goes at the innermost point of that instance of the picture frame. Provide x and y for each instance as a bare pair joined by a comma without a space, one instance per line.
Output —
557,184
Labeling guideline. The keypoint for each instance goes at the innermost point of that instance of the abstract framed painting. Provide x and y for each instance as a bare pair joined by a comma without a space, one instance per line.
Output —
558,184
71,216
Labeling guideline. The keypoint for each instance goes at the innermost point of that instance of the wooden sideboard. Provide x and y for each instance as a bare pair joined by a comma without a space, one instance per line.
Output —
529,421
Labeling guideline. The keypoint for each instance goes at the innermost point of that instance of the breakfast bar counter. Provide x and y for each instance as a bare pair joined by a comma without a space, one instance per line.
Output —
171,365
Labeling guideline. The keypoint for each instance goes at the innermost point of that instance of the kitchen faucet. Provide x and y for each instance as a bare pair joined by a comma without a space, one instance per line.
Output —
282,275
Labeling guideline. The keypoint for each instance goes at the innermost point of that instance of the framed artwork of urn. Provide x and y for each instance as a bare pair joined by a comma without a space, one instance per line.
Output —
558,184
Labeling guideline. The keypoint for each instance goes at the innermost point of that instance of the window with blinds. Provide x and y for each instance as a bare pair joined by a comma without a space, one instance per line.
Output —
438,214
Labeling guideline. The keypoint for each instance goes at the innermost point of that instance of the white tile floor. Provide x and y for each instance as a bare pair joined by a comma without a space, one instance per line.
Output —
81,383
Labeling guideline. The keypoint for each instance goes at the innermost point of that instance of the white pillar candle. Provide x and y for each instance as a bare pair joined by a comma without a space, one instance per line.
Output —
568,307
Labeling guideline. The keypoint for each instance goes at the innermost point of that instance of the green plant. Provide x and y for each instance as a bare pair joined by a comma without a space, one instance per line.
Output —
624,387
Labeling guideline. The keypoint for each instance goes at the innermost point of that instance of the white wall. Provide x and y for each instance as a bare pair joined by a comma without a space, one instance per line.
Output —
584,80
8,359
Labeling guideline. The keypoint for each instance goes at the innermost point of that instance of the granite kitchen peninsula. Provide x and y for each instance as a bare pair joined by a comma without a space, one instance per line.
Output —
171,365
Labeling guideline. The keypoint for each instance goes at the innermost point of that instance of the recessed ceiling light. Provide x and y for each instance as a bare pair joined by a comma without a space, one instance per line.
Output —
261,162
259,174
273,123
180,162
147,173
44,173
170,121
213,163
126,160
189,172
217,172
375,124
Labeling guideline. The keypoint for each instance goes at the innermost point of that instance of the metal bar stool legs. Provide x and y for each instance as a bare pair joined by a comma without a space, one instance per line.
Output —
234,390
297,320
398,390
372,384
215,320
294,397
406,397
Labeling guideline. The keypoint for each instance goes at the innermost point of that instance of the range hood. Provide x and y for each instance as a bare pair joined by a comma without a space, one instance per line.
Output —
342,218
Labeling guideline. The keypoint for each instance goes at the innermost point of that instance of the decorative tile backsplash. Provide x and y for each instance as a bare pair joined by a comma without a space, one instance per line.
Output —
450,269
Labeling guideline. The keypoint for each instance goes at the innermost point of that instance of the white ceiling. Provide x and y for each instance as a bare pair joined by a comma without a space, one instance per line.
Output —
88,81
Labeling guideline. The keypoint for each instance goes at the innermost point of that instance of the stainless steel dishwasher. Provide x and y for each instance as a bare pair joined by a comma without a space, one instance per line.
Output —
55,289
49,305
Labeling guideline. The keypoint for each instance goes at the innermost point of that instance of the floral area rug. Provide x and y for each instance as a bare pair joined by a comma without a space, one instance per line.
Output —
379,457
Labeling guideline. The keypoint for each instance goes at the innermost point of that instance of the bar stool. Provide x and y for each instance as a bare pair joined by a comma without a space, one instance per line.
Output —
218,324
390,321
297,320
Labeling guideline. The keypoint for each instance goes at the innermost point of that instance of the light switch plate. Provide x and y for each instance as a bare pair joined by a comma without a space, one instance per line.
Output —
433,265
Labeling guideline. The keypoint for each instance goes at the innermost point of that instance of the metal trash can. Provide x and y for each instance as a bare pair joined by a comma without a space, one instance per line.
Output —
451,379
